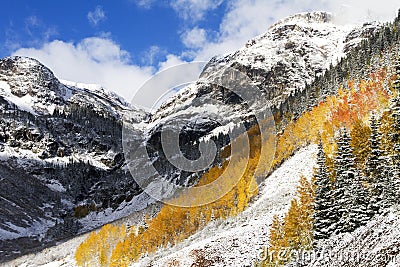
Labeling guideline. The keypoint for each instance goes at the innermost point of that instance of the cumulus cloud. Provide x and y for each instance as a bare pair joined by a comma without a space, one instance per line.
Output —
92,60
194,38
100,60
194,10
96,16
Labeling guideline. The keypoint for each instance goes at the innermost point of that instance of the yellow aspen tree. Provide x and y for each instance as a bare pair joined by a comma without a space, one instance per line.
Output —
291,226
276,235
305,192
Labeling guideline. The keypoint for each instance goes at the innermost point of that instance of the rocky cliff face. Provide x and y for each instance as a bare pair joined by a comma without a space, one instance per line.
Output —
60,142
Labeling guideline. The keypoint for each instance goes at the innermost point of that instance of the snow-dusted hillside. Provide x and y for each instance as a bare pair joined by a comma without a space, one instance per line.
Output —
375,244
60,148
282,60
238,241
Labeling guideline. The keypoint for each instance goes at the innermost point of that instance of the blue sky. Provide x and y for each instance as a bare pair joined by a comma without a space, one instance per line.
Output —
120,44
138,27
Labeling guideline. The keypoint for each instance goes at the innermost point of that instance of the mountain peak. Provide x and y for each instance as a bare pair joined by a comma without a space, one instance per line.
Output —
27,76
305,17
17,65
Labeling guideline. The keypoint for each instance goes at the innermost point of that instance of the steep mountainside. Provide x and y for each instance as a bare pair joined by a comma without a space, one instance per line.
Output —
60,154
220,239
60,142
375,244
273,67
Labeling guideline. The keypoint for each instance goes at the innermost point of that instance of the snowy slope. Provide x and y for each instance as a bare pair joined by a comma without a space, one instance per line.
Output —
375,244
237,241
46,125
58,256
280,61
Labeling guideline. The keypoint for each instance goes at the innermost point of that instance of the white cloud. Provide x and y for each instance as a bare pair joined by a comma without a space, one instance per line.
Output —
172,60
101,61
93,60
152,54
194,10
96,16
361,11
145,3
194,38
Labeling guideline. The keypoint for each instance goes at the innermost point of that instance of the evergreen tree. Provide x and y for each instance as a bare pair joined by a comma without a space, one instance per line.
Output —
323,205
395,109
376,166
390,184
350,197
373,163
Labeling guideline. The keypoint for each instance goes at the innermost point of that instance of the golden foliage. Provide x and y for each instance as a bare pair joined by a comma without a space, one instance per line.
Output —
97,248
351,108
294,232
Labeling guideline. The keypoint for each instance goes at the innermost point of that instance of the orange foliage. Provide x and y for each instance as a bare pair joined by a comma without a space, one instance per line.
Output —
351,105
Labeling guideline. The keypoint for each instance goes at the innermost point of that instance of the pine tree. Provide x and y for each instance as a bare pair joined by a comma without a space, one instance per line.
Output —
390,185
323,204
395,109
375,166
350,196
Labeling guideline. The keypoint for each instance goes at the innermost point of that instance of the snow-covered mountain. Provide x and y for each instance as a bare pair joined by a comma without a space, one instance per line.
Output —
60,142
60,153
266,71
